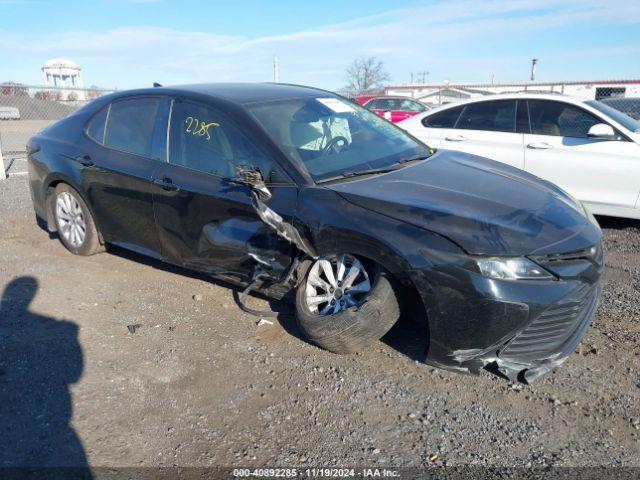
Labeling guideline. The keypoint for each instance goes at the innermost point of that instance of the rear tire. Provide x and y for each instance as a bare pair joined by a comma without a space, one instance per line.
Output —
74,223
355,327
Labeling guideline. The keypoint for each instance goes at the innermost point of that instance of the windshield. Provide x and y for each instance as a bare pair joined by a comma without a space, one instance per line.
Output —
622,118
333,137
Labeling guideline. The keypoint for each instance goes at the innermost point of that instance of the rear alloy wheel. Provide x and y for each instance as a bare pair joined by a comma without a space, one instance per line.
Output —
74,223
71,223
344,305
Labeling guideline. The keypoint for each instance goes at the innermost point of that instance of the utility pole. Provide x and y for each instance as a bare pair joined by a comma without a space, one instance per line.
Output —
3,175
534,62
276,69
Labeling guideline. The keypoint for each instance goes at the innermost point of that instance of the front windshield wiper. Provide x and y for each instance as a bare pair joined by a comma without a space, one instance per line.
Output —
414,158
398,165
370,171
375,171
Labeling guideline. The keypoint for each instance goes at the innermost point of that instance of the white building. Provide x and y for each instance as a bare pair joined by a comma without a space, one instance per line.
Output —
589,90
66,75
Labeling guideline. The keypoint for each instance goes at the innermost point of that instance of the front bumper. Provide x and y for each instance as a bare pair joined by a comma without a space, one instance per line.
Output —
520,330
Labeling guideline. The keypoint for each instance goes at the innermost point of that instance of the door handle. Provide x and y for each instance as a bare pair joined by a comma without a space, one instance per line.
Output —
455,138
539,146
166,184
85,160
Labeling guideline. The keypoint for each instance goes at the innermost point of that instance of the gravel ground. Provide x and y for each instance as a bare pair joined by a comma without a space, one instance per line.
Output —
198,383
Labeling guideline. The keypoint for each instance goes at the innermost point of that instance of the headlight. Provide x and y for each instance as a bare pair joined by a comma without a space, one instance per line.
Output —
517,268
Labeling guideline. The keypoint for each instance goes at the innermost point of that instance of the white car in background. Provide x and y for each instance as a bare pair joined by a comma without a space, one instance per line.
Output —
585,147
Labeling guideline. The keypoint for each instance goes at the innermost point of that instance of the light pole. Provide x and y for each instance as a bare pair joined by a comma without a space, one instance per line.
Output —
3,175
534,62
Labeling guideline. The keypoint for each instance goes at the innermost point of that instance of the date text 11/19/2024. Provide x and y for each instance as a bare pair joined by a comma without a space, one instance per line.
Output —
315,473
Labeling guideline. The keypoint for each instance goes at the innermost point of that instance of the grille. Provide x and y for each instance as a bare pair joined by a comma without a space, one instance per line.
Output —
555,327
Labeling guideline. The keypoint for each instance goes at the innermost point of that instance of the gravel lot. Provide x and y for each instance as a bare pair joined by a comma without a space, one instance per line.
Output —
198,383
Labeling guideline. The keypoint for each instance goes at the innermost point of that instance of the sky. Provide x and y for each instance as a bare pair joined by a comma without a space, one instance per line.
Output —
133,43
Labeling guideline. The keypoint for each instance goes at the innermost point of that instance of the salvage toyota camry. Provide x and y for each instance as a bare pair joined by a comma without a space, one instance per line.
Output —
301,194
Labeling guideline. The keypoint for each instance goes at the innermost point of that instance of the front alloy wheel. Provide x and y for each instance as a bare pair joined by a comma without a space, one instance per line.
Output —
344,305
336,284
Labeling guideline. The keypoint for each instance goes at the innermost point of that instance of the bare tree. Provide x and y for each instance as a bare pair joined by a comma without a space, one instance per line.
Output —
93,92
53,95
366,73
14,89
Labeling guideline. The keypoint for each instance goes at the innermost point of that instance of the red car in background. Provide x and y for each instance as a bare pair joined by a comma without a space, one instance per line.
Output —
393,109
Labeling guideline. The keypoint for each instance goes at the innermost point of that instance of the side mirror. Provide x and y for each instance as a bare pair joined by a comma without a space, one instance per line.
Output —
602,131
251,177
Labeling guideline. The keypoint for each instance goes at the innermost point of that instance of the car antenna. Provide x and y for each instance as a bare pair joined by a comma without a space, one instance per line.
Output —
156,84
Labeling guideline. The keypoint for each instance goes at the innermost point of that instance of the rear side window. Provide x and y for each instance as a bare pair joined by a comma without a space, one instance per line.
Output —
131,124
95,129
559,119
380,104
205,139
411,106
444,119
495,116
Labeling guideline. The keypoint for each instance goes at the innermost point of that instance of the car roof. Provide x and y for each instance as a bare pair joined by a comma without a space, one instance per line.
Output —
242,93
519,96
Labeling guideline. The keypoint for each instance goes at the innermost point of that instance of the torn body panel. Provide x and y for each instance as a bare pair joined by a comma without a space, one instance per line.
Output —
211,224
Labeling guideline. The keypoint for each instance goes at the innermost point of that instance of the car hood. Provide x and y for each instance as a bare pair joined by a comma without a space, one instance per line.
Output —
486,207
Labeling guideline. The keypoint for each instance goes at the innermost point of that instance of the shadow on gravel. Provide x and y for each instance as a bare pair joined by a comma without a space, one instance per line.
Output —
617,223
39,358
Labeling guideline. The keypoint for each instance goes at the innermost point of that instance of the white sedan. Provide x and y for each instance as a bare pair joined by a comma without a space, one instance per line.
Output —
586,147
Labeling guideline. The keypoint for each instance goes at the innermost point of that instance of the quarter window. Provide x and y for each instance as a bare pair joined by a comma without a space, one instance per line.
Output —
204,139
493,116
411,106
379,104
95,129
445,119
559,119
131,124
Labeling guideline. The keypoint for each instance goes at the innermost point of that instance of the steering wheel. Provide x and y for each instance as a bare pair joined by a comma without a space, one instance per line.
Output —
333,145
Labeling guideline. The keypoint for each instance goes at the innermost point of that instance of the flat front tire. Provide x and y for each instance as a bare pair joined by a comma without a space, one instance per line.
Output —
74,223
344,306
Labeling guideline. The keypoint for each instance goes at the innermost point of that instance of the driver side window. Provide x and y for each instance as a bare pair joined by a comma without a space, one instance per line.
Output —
203,138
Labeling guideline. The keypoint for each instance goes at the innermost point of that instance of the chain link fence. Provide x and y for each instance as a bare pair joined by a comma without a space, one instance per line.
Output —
27,109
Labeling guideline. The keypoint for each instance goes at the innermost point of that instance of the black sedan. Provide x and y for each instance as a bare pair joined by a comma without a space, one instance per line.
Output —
287,189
